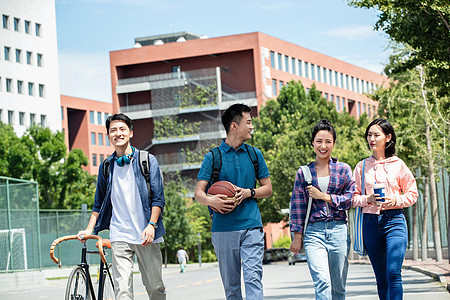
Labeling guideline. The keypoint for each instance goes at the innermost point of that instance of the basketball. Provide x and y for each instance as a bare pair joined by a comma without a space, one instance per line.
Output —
223,188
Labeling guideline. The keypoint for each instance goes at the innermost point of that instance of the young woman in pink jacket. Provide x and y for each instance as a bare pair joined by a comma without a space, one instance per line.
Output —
384,228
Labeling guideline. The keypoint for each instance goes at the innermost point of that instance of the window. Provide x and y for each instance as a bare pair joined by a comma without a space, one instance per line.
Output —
62,113
279,62
10,117
348,82
29,58
338,103
307,69
19,87
21,118
7,53
352,83
358,86
319,74
326,96
40,59
41,90
342,81
32,119
364,107
5,21
107,141
286,63
100,139
94,160
91,117
27,26
93,138
300,73
102,158
106,116
272,59
325,79
359,108
336,74
332,98
43,120
330,76
293,66
343,104
18,55
313,71
31,88
16,24
38,29
99,118
274,87
9,85
281,85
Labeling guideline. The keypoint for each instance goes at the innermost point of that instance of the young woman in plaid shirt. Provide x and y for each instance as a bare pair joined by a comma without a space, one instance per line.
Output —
326,239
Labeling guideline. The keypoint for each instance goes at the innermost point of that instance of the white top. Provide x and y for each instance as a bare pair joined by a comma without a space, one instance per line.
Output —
181,255
323,183
128,220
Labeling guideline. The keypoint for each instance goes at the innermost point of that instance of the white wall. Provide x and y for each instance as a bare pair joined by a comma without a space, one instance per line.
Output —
42,12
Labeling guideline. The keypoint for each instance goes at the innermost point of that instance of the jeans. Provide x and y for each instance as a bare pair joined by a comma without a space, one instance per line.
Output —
234,248
385,239
327,245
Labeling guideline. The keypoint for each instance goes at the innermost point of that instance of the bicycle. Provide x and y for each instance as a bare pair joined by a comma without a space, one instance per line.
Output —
79,284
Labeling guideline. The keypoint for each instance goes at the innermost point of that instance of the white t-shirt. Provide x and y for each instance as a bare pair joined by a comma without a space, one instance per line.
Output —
128,220
181,254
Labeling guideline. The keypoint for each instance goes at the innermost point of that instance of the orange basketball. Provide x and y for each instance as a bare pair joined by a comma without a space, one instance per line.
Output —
223,188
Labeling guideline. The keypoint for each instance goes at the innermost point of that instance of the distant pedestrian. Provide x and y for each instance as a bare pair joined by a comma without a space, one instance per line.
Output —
385,233
183,257
326,239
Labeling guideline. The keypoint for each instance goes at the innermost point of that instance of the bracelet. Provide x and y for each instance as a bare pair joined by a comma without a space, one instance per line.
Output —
153,224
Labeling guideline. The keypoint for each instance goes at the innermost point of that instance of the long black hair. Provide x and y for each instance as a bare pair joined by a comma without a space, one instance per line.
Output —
387,128
323,125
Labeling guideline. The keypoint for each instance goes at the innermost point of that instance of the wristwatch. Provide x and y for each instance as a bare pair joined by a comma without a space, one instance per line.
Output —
153,224
253,193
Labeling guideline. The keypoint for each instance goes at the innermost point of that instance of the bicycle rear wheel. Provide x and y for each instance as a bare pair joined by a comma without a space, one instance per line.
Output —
77,285
108,289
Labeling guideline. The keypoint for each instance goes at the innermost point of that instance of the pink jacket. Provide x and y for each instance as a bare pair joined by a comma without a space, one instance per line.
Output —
396,176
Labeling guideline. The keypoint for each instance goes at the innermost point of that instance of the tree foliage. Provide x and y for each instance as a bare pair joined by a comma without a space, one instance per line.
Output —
283,134
422,25
41,155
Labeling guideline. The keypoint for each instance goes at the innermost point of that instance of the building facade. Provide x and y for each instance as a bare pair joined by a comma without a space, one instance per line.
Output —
176,86
29,82
83,123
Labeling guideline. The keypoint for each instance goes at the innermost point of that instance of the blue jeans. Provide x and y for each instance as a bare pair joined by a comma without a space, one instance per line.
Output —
234,248
385,239
327,245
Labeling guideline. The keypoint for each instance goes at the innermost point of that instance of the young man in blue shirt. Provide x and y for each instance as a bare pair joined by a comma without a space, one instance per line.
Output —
237,235
122,205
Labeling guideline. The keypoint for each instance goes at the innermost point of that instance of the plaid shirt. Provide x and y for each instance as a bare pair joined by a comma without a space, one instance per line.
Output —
341,188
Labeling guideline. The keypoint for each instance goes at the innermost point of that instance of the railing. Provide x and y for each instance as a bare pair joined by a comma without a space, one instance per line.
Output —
201,73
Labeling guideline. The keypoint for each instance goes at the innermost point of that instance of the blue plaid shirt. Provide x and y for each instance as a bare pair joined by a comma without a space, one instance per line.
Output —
340,188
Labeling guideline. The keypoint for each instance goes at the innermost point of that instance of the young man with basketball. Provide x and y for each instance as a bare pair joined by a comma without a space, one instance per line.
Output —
237,232
123,205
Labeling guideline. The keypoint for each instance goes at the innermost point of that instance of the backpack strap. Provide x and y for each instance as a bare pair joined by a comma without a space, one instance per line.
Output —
216,166
106,168
308,178
144,165
254,161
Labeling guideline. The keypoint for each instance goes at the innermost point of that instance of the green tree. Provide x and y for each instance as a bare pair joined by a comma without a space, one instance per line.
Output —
41,155
283,133
424,27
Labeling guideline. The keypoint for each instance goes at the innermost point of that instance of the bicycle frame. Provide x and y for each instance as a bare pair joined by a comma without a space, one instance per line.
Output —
103,267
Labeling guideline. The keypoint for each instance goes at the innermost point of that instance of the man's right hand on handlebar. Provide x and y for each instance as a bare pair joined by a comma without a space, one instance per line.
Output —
83,233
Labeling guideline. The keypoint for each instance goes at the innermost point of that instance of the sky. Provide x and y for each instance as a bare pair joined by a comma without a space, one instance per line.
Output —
89,29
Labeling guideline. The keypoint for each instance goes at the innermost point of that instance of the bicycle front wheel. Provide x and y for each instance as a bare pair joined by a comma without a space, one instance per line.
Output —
77,285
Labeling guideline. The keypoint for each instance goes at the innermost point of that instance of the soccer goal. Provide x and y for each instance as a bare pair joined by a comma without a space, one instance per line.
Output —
13,249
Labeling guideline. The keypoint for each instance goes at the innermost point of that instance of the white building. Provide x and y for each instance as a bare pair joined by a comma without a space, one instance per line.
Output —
29,82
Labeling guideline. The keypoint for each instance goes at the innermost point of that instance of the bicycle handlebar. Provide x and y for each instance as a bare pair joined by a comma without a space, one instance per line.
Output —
74,237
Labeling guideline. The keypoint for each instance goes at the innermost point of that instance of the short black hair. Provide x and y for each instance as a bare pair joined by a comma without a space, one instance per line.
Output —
323,125
234,114
388,129
119,117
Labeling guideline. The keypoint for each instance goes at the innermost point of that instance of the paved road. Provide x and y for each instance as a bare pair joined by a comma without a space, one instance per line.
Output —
280,282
